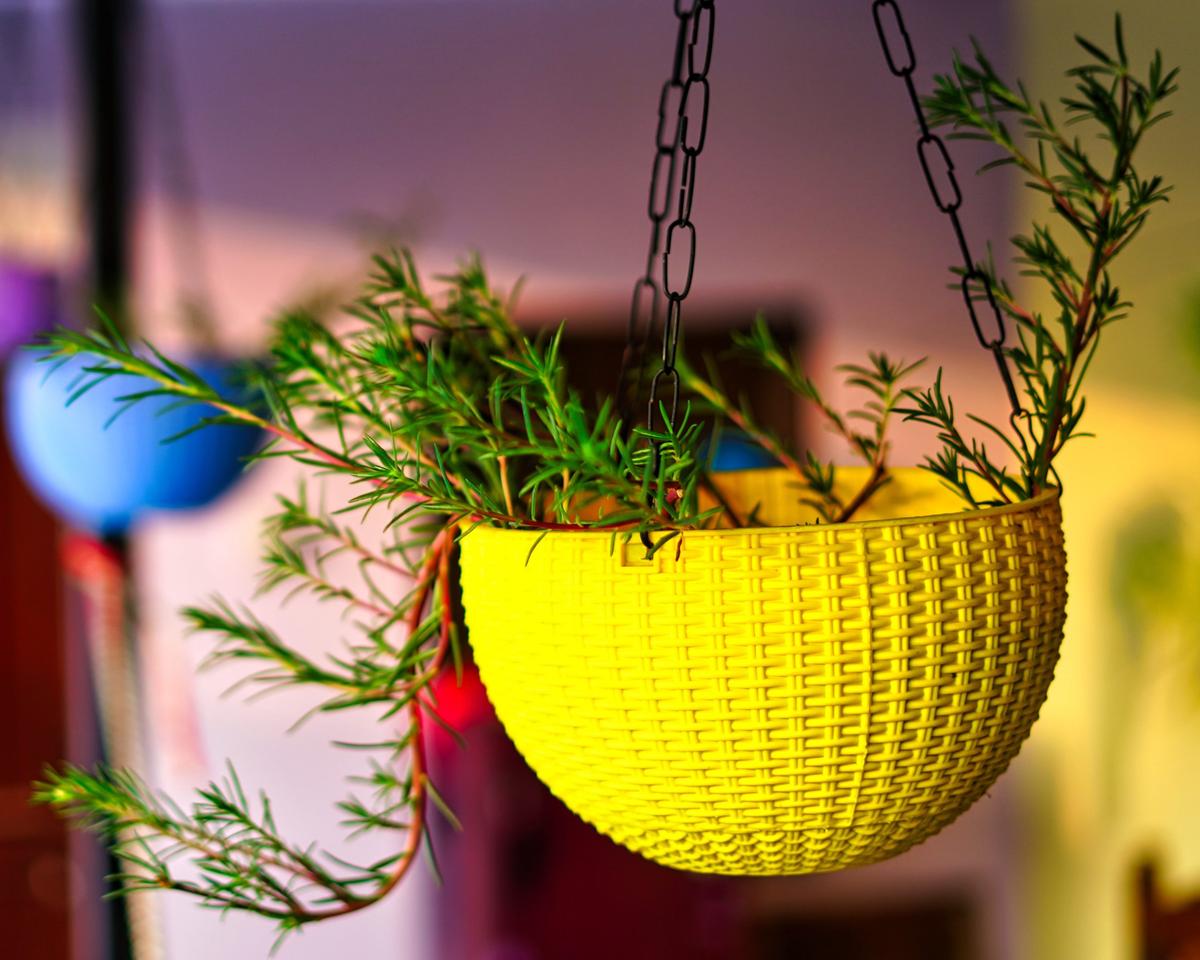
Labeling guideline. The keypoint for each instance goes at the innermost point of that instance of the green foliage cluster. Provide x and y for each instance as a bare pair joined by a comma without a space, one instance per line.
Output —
442,414
1084,166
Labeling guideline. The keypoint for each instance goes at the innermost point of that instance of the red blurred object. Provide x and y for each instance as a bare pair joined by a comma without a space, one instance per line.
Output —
462,704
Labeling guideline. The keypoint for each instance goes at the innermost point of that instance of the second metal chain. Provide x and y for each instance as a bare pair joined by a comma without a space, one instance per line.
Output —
930,149
679,146
645,310
693,133
680,139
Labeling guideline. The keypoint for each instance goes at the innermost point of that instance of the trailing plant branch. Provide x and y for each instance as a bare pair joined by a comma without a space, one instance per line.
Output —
235,857
238,858
1094,186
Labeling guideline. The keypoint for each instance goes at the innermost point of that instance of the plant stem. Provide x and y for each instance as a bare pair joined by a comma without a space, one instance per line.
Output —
878,474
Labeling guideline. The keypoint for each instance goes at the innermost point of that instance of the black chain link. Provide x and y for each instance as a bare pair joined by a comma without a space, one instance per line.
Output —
678,148
680,139
646,308
931,149
701,21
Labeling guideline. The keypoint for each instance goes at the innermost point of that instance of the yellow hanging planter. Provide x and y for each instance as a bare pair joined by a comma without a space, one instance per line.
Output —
778,700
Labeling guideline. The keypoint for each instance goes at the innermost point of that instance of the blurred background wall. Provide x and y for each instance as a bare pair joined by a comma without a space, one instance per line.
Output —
1113,775
523,129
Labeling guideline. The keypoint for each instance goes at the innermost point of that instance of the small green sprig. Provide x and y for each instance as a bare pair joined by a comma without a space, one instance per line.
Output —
881,379
963,458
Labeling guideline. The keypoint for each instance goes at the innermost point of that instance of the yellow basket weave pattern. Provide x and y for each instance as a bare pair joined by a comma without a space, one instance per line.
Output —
776,700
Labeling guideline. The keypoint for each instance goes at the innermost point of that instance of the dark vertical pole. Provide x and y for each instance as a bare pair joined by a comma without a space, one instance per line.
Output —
106,40
105,35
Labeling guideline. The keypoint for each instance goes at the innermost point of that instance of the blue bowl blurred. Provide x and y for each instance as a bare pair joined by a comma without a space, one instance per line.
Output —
102,478
736,451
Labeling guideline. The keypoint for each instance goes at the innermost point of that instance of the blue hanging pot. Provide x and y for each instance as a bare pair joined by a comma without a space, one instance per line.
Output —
102,476
28,303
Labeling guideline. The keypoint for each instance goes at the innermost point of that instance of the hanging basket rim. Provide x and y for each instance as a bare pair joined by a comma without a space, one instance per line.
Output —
1051,495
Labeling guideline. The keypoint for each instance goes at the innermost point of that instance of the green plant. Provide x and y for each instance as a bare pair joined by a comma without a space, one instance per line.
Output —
445,415
1096,192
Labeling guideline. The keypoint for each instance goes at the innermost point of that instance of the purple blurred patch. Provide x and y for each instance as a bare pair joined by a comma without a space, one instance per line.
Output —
28,303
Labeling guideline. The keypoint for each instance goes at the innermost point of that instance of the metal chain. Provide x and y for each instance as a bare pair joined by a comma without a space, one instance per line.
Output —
646,307
684,100
931,148
678,148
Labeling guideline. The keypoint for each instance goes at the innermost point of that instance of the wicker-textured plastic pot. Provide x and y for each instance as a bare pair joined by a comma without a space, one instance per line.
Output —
776,700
